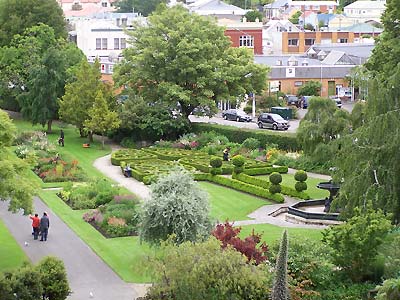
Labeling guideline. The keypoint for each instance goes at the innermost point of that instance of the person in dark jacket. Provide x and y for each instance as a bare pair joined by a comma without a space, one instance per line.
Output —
225,154
44,226
61,139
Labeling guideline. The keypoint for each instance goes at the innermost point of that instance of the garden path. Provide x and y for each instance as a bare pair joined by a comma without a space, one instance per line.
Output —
86,272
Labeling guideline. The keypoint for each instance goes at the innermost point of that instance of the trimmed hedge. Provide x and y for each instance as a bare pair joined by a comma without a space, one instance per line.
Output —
264,183
285,141
245,187
266,170
129,156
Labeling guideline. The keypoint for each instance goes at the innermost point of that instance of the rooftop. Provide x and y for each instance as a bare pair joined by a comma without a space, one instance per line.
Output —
366,4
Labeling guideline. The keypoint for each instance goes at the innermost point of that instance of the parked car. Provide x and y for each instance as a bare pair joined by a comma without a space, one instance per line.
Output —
338,101
292,100
272,121
236,115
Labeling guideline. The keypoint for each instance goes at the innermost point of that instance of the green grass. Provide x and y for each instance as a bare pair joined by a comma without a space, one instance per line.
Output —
11,254
271,234
126,255
228,204
312,190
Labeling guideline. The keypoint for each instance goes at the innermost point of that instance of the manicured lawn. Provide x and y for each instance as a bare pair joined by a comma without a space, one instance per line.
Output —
228,204
126,255
271,234
312,190
11,254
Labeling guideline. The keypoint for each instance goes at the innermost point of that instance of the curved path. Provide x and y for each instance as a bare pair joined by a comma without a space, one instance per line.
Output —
260,216
86,272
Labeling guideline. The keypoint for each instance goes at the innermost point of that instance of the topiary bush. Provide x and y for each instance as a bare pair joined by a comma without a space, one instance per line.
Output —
216,162
238,161
300,186
275,188
300,175
275,178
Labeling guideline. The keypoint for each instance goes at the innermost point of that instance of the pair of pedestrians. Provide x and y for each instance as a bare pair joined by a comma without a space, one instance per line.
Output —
40,226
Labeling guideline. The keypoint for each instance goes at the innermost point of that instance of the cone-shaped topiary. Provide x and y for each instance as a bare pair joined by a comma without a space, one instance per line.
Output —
238,161
275,178
280,290
300,186
215,162
300,175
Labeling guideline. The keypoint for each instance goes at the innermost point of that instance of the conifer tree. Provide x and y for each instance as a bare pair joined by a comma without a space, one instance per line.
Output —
280,290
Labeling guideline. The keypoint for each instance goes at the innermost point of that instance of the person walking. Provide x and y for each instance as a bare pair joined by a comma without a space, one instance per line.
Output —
35,225
61,139
225,154
44,227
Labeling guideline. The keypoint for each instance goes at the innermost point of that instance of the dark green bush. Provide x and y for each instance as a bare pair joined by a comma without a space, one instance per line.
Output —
300,186
238,170
284,141
275,188
216,171
300,175
251,143
215,162
275,178
238,161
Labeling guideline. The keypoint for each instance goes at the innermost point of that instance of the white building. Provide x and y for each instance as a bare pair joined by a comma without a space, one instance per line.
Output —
363,11
272,35
217,8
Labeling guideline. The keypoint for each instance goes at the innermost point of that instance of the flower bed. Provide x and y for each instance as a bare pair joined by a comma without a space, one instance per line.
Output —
55,169
116,219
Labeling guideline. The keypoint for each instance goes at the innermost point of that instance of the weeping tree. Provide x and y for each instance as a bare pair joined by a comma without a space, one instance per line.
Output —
280,289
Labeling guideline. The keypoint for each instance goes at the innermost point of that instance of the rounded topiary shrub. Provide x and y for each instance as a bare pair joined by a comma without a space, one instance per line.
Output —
300,175
275,188
275,178
238,170
216,171
238,161
216,162
300,186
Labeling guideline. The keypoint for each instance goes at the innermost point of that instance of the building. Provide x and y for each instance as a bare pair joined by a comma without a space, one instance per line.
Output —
276,9
216,8
272,35
328,64
315,6
363,11
76,9
244,34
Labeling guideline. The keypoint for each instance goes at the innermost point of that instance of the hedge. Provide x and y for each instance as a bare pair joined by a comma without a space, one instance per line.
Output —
244,187
264,183
129,156
265,170
285,141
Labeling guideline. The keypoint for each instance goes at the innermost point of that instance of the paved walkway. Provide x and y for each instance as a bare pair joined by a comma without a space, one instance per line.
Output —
87,273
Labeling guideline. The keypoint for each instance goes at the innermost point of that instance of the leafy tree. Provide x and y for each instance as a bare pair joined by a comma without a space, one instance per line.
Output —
389,290
144,7
249,246
252,15
310,88
183,61
143,121
101,118
18,15
53,278
25,283
355,243
309,26
12,169
358,115
199,271
280,289
295,18
177,207
323,123
80,94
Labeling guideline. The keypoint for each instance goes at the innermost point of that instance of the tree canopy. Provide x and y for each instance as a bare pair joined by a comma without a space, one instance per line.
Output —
183,60
310,88
18,15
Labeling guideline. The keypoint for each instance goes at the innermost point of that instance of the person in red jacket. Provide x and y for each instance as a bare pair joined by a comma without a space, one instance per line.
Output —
35,225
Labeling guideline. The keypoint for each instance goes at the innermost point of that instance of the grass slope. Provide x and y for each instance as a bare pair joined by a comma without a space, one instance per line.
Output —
11,254
228,204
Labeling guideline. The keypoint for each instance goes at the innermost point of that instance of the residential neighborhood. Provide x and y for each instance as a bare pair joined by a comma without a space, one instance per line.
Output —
199,149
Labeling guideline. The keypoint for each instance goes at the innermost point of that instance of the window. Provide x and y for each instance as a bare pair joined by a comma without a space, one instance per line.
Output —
123,43
342,41
293,42
104,45
116,43
110,69
246,41
98,44
298,83
309,42
104,4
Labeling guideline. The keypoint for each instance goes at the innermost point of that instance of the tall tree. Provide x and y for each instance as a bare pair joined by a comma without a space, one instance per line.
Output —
145,7
18,15
184,60
12,169
100,117
280,289
80,94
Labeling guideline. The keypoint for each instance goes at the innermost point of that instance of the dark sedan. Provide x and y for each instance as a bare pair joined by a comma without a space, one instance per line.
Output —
236,115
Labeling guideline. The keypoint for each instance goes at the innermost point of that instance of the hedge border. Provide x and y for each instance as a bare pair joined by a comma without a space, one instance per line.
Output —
266,170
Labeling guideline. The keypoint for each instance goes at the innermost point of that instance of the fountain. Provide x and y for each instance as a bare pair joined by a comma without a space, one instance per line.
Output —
333,190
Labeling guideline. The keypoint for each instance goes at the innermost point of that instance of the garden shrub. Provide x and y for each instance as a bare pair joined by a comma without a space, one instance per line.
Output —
238,160
265,170
251,143
275,188
300,175
275,178
300,186
216,171
284,141
216,162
